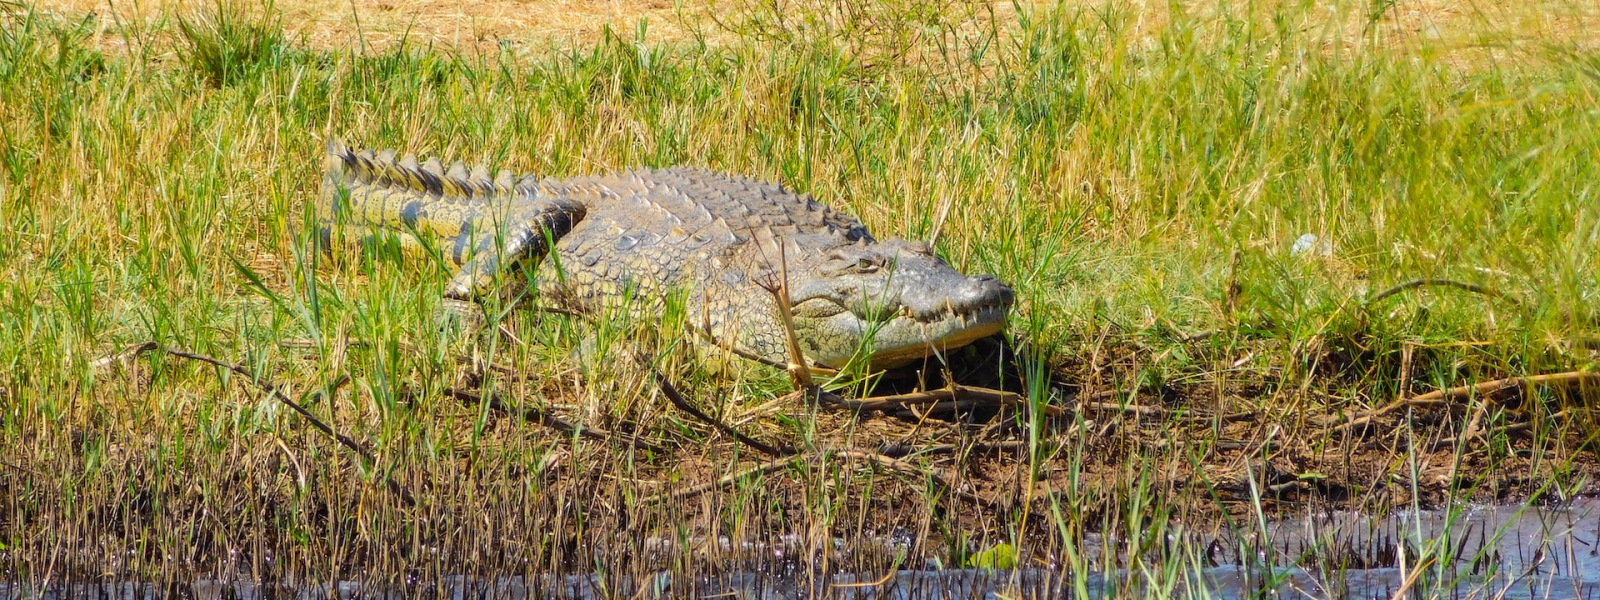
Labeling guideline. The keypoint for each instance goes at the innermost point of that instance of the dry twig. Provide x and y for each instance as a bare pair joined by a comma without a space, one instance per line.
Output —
1417,283
948,394
904,450
1482,390
797,358
534,415
677,399
1487,388
275,393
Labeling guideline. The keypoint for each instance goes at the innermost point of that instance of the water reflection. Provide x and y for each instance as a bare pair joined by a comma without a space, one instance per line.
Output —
1510,552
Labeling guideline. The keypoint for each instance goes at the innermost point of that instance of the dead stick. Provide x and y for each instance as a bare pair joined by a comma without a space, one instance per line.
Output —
129,351
902,451
1417,283
1438,397
534,415
1129,408
953,392
20,468
1144,409
797,358
900,400
677,399
895,464
1489,387
937,407
273,392
1004,398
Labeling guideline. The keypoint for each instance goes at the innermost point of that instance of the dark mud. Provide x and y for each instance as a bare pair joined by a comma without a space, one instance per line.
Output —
1474,551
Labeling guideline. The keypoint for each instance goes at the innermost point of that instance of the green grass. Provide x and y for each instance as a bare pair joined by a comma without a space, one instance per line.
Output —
1135,189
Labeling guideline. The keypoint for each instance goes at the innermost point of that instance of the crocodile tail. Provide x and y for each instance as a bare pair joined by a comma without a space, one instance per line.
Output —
381,169
334,166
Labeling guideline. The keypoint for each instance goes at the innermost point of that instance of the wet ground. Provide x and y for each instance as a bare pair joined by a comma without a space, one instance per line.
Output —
1475,551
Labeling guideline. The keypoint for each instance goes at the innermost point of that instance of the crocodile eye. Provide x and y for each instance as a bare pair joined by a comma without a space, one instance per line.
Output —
844,265
865,266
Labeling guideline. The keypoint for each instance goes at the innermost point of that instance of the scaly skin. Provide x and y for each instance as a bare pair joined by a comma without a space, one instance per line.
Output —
628,240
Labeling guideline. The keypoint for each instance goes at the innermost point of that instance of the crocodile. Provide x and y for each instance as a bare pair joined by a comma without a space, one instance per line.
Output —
628,240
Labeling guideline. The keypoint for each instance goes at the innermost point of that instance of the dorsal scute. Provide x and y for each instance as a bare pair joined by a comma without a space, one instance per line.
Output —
751,206
381,169
527,184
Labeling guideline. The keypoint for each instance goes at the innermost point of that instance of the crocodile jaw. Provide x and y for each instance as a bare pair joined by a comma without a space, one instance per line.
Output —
834,341
904,341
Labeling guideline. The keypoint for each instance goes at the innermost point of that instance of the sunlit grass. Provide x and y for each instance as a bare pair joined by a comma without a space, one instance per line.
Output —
1144,193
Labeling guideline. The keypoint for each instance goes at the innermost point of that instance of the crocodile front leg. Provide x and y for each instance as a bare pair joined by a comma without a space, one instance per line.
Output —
494,257
496,260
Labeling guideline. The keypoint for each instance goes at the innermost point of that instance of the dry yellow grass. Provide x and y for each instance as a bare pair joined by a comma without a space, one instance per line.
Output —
1142,182
447,23
1479,26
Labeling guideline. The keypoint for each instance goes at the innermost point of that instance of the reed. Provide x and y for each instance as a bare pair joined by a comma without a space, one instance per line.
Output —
1203,220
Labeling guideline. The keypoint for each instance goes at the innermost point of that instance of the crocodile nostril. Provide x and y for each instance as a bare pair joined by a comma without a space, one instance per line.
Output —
1007,295
990,287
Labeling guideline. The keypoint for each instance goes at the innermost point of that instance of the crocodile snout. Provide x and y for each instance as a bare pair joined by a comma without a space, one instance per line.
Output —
989,290
979,293
955,297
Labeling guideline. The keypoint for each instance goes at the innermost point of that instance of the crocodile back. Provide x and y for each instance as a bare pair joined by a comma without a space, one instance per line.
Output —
681,229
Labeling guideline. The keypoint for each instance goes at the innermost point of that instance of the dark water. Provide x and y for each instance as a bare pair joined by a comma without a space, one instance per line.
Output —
1477,552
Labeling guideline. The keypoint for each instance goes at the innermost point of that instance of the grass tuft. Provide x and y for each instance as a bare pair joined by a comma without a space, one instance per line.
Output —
230,41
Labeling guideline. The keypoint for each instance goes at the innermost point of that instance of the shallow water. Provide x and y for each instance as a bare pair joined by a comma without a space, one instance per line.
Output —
1221,582
1510,552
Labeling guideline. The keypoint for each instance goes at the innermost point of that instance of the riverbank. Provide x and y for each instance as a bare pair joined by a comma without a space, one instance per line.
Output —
1261,268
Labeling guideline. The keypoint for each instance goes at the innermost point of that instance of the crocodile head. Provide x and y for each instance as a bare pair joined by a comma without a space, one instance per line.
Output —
894,298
